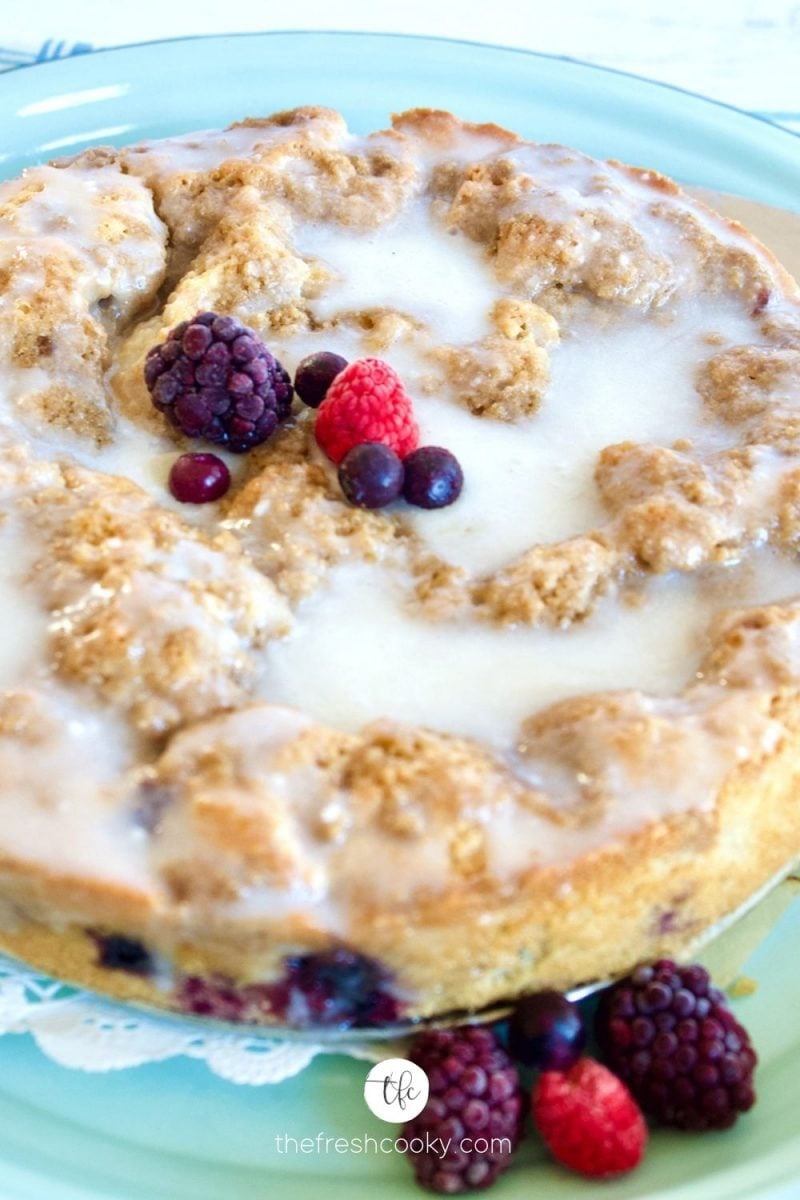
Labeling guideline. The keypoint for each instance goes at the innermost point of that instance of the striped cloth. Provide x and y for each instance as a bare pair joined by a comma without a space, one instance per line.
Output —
24,56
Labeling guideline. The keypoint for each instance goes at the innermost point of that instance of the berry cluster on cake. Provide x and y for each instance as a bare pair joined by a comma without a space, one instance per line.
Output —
399,565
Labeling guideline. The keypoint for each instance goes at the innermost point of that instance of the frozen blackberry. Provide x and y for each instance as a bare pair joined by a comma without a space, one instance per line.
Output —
214,378
315,374
433,477
672,1039
474,1107
546,1031
371,475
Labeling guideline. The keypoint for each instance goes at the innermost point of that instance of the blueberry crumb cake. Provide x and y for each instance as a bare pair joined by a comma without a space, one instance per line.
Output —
400,569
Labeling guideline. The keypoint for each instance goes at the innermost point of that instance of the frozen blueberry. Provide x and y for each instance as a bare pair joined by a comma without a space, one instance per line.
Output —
371,475
433,477
315,374
120,953
546,1031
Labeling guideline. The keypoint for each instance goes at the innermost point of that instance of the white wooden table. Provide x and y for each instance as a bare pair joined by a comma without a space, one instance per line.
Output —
744,52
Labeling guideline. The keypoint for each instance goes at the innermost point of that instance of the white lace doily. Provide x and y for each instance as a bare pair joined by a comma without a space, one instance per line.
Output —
83,1031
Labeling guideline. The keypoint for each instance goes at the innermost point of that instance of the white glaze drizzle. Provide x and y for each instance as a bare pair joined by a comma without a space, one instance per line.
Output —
356,653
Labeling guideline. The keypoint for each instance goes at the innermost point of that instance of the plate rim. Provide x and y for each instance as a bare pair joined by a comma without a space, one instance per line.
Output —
185,39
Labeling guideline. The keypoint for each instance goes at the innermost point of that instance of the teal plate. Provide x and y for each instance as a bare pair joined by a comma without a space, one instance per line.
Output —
174,1131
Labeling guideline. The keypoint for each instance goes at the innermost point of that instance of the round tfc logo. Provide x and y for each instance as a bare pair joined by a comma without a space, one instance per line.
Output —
396,1090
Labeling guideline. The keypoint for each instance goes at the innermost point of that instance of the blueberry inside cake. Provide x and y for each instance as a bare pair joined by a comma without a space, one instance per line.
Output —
399,569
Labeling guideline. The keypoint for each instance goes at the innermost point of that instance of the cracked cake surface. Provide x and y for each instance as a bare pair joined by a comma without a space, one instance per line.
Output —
529,739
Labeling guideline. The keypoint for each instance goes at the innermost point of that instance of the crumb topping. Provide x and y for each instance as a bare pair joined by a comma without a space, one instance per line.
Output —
160,627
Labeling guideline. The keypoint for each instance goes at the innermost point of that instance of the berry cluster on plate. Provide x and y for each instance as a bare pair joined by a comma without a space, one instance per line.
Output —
672,1051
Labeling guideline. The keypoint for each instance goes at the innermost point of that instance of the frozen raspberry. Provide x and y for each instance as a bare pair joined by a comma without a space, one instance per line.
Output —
474,1108
371,475
366,403
315,374
546,1031
677,1045
433,477
199,478
214,378
336,988
588,1120
122,954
